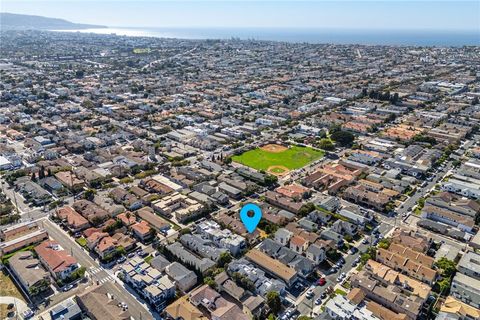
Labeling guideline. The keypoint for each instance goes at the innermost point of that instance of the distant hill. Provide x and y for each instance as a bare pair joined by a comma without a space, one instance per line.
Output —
10,21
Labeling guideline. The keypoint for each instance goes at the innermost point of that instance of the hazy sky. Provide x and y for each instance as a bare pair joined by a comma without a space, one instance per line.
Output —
354,14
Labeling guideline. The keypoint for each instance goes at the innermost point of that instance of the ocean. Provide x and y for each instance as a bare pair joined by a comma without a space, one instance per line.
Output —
367,37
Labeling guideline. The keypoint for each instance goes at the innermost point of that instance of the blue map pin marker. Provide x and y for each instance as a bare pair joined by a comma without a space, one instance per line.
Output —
250,223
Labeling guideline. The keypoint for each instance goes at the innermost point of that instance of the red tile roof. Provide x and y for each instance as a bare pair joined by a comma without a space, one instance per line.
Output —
54,256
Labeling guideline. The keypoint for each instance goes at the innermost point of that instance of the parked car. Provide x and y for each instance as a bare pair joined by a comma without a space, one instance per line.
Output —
27,314
321,281
318,301
68,288
310,293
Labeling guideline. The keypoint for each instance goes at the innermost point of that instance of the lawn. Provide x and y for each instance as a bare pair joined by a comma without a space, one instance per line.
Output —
341,292
293,158
82,241
148,259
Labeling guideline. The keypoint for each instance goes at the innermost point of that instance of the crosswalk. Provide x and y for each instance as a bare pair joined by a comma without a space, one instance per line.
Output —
94,272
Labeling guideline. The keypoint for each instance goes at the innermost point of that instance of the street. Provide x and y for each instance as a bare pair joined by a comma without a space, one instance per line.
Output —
307,306
97,273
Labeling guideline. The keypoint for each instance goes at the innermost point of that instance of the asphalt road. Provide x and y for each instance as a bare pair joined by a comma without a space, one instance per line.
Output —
410,202
306,305
137,309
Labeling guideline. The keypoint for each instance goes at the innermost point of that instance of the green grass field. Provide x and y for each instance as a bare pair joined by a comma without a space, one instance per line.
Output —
293,158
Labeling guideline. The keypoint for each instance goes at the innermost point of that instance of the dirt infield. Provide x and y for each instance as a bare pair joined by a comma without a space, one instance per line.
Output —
278,171
274,148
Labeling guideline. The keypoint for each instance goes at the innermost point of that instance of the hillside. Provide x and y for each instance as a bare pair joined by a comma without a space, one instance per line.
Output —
21,22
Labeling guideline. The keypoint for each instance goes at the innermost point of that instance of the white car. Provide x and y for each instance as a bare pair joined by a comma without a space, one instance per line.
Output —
27,314
310,293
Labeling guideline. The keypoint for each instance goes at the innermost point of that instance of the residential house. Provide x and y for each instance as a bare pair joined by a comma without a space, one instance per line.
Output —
466,289
334,176
179,206
452,308
254,306
315,253
178,250
222,237
17,230
390,296
412,263
24,240
183,309
344,228
298,244
272,266
29,272
469,265
93,213
73,220
219,308
99,304
283,236
184,279
56,260
262,283
283,202
106,247
142,231
203,247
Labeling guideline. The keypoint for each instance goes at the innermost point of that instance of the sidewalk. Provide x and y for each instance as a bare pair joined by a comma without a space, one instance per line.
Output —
20,305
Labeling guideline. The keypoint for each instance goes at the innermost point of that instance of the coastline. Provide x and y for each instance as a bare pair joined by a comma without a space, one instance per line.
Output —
313,36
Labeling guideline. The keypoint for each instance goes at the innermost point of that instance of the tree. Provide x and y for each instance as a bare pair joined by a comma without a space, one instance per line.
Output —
384,243
270,179
442,286
343,138
423,138
89,194
224,259
243,281
326,144
306,209
210,282
370,254
41,173
79,74
446,266
334,128
185,231
274,302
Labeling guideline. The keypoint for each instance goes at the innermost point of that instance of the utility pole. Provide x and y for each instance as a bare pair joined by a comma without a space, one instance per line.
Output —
71,184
